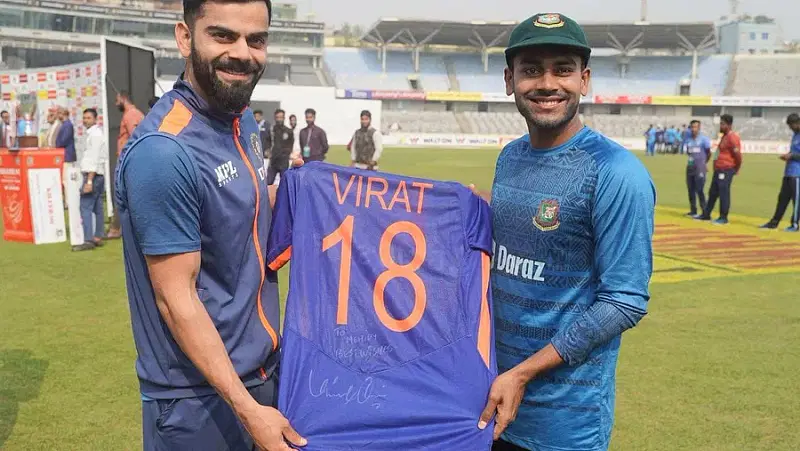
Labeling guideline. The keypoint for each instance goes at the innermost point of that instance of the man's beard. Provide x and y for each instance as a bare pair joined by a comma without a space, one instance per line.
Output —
232,97
121,107
548,122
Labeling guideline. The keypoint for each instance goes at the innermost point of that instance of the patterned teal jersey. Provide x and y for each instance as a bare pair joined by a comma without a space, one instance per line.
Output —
572,262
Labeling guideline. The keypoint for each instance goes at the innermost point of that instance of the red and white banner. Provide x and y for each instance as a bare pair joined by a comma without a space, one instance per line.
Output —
624,100
47,205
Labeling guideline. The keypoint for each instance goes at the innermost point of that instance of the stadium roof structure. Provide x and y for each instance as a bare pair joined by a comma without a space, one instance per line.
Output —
484,35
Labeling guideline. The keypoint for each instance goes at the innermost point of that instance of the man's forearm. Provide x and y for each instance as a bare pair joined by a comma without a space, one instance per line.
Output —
598,325
543,360
196,335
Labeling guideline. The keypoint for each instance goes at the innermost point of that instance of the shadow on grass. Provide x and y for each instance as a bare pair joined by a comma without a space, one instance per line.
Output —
21,377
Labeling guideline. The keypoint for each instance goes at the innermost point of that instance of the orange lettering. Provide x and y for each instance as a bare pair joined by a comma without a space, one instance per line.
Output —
422,187
343,196
401,188
378,194
358,190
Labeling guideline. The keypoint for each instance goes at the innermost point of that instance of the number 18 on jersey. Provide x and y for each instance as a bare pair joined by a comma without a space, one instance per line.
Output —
388,320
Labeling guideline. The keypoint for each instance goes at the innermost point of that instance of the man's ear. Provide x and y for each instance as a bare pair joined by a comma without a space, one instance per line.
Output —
183,37
508,76
586,78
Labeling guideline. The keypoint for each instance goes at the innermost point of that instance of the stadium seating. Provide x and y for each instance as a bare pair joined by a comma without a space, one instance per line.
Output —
646,75
471,76
712,75
618,126
762,75
361,69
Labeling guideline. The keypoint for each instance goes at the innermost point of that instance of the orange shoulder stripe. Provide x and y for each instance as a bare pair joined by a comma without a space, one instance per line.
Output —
176,120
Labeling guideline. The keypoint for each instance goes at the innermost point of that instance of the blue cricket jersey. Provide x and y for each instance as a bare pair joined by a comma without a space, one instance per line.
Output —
793,165
573,258
387,341
192,180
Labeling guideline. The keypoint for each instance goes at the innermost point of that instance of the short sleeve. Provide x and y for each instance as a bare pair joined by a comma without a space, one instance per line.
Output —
477,222
737,141
162,196
279,245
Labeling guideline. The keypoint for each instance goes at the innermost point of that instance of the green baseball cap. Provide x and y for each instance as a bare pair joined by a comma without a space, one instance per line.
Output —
548,29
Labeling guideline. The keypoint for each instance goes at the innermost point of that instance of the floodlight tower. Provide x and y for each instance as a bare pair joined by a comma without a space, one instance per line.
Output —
734,7
644,11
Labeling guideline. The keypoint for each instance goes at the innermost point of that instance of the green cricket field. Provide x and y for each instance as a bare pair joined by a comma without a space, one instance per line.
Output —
711,367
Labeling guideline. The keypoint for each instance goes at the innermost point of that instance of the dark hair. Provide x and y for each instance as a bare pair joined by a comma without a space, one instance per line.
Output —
192,9
726,118
279,111
366,113
258,112
3,112
694,121
793,118
292,116
91,111
312,111
152,102
124,94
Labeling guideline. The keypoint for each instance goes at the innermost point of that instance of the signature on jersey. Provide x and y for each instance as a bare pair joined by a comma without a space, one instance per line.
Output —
363,393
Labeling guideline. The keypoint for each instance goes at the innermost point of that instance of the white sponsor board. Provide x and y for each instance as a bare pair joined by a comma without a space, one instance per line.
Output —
446,140
72,186
756,101
47,206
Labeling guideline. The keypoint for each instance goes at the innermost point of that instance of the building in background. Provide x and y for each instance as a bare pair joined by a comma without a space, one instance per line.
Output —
749,36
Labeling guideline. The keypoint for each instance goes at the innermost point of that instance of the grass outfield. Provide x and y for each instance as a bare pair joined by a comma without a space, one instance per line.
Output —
712,367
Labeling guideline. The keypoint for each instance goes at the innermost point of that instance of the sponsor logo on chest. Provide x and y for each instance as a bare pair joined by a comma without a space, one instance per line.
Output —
226,173
513,265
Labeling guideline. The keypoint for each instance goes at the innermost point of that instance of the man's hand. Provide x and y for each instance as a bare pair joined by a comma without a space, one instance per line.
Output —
270,430
504,398
297,162
87,188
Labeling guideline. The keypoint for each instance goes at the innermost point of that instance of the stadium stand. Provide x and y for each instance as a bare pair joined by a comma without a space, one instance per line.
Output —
471,76
361,69
659,75
765,75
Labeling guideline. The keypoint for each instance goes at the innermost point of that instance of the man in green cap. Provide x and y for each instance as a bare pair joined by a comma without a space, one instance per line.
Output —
573,224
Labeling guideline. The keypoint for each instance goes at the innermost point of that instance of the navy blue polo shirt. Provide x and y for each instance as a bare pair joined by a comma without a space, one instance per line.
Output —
191,179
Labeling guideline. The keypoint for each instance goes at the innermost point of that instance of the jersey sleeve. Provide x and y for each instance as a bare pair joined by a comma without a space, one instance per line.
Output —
162,196
623,218
477,221
279,246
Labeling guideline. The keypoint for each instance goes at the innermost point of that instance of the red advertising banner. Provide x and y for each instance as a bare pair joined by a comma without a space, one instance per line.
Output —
624,100
14,198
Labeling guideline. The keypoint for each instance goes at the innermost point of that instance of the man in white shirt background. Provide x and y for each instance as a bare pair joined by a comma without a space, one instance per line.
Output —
8,132
92,164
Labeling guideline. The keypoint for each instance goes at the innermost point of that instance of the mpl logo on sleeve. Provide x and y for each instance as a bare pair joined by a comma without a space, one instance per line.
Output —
226,173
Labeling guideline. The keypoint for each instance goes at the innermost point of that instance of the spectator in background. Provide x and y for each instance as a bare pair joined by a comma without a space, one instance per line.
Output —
296,131
366,145
660,139
698,147
152,102
131,118
93,165
727,162
281,150
313,140
669,140
265,134
790,188
65,139
9,137
52,131
686,134
650,135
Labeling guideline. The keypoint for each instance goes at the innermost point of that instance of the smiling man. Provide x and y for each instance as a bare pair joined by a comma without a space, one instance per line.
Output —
573,223
195,216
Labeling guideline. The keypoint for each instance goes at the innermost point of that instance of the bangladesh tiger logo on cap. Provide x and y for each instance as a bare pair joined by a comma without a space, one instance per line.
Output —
549,21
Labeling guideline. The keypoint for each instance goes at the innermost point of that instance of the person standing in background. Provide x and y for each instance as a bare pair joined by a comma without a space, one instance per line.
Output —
366,146
698,148
9,137
790,187
296,131
65,139
93,166
131,117
49,139
264,131
313,140
727,162
650,135
686,134
282,144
